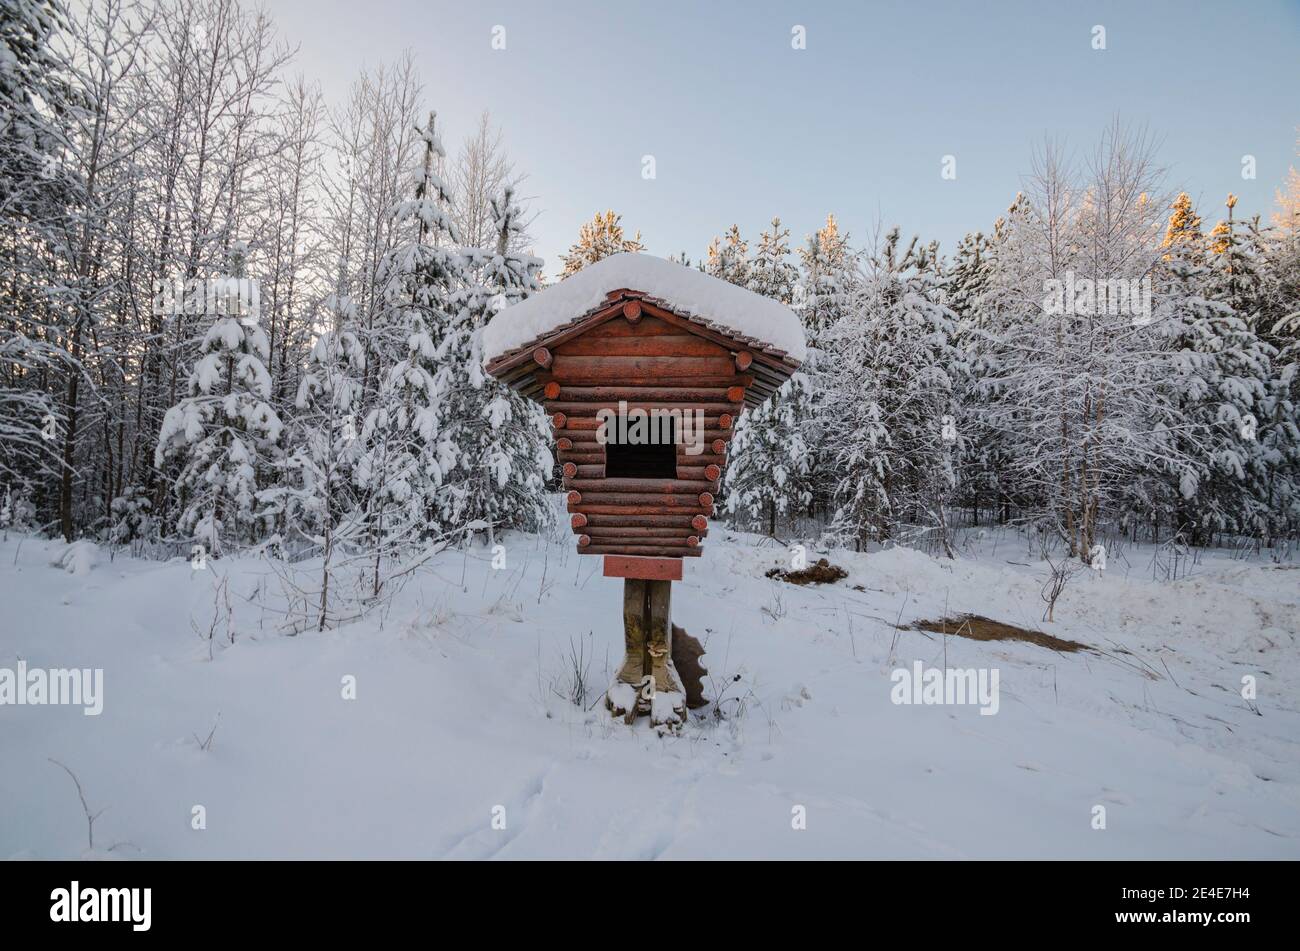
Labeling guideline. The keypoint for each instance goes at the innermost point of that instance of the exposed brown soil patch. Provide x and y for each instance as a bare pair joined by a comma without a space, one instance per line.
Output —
985,629
823,572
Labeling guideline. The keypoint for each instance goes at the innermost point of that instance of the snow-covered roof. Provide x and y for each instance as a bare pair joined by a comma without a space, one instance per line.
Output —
683,290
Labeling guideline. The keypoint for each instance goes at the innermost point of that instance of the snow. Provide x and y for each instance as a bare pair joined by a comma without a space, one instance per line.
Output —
460,708
685,290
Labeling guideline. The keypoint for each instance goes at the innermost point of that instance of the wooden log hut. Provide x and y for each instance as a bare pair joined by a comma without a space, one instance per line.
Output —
644,367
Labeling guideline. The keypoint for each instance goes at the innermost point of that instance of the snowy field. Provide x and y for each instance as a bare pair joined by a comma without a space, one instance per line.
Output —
461,715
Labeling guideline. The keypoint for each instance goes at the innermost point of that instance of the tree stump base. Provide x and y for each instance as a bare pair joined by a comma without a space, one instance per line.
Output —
649,682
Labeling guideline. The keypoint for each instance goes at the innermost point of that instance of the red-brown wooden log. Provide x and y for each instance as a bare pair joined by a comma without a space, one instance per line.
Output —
652,486
591,408
626,550
639,531
632,541
597,497
584,541
564,442
708,382
735,394
584,458
559,420
552,390
681,394
570,470
692,541
577,520
706,499
623,509
656,520
632,311
574,498
719,446
744,360
542,357
703,459
699,523
636,369
675,345
712,473
595,472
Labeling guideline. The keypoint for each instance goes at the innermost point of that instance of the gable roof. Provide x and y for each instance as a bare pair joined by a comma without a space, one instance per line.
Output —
750,320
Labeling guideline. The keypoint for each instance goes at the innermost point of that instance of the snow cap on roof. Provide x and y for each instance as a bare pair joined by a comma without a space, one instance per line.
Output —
681,289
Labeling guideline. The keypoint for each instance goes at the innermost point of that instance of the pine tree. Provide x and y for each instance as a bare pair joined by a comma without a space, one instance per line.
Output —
894,434
769,475
1184,230
496,456
598,239
1211,388
225,429
728,259
402,467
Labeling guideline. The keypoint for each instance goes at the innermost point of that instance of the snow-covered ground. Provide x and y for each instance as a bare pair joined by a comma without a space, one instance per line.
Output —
459,725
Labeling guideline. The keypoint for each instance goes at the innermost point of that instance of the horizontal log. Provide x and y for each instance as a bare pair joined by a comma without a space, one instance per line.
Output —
584,541
634,541
642,498
702,459
573,498
627,369
583,458
662,345
559,421
594,472
612,394
700,523
574,423
653,486
722,411
658,519
706,499
647,326
564,442
631,550
639,531
542,357
578,520
569,469
719,446
706,474
623,509
551,390
643,381
735,394
744,359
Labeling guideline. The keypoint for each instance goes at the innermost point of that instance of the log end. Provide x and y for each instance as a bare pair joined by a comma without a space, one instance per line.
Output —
574,497
578,520
552,390
542,357
559,420
712,473
632,311
744,359
699,523
570,470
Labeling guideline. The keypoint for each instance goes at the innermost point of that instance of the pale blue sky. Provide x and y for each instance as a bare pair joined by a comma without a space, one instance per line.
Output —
743,127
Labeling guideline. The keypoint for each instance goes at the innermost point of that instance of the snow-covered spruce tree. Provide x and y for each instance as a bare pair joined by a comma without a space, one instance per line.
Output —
402,466
38,195
224,430
893,436
823,298
1212,379
769,472
598,239
728,258
318,500
496,457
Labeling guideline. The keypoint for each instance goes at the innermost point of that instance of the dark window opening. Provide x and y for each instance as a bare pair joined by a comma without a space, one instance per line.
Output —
644,460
